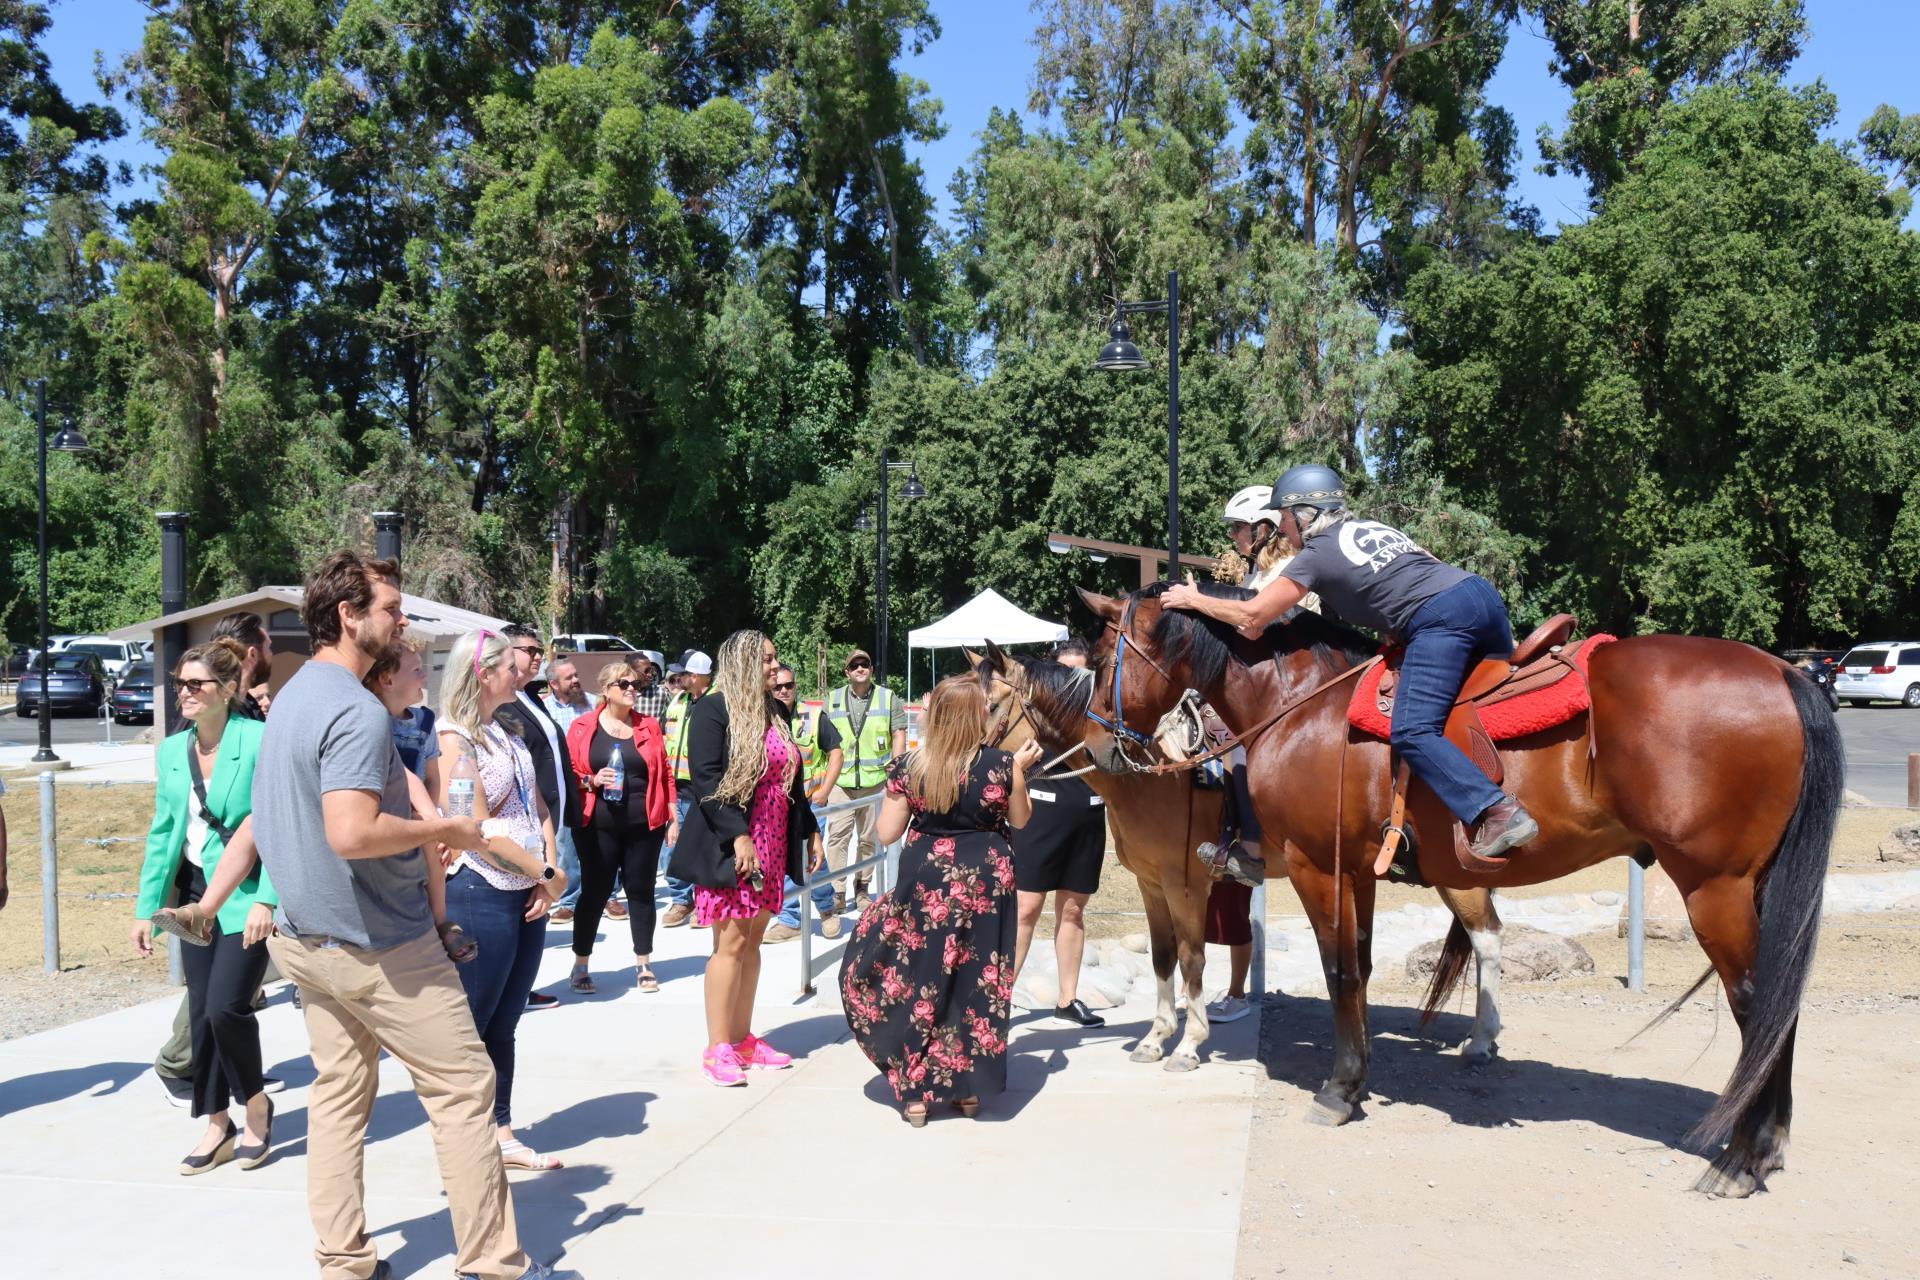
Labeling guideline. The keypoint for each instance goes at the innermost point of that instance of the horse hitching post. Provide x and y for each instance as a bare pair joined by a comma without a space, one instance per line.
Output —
49,876
1257,918
1636,927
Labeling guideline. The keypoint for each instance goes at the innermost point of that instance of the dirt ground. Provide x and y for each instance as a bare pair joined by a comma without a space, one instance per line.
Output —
1565,1156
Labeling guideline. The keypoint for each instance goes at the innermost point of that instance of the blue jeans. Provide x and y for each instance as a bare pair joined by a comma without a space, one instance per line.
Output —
822,896
499,979
569,864
678,890
1445,636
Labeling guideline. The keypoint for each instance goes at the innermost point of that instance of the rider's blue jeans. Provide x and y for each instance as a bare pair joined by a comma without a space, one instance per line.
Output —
1445,636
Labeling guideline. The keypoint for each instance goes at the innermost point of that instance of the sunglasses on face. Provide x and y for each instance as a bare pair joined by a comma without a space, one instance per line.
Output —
531,650
784,688
860,666
198,688
628,685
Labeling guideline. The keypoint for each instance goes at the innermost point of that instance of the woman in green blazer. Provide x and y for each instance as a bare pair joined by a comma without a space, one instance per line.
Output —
201,846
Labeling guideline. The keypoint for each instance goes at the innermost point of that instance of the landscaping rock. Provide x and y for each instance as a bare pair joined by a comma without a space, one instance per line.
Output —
1137,943
1851,799
1526,955
1902,844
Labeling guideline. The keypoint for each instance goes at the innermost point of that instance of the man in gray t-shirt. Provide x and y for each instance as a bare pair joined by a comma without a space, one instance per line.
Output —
338,836
330,734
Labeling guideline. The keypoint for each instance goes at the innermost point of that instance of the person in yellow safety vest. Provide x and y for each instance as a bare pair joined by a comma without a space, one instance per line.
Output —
872,724
696,677
820,760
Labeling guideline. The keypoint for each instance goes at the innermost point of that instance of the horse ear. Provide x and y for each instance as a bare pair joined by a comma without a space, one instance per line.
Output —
1102,606
997,658
973,659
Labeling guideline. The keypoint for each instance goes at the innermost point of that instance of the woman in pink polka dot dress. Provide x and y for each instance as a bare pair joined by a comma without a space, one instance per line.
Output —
748,829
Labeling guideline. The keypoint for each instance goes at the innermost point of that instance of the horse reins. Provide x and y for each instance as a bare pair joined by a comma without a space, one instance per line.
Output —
1125,733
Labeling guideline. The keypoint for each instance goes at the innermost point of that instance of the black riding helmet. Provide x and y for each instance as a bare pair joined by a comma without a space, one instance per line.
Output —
1308,485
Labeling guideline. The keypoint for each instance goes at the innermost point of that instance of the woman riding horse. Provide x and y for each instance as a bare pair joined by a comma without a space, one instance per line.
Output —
1445,617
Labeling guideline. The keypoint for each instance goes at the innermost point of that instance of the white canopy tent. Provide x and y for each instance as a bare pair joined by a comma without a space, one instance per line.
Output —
988,616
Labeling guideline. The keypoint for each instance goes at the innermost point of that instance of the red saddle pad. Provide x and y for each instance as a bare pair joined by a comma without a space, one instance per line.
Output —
1516,718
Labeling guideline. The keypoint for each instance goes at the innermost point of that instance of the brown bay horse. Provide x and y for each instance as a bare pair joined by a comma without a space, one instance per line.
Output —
1717,760
1156,820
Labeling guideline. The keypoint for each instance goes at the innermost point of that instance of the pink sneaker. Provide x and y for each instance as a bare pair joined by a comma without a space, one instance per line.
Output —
722,1066
755,1052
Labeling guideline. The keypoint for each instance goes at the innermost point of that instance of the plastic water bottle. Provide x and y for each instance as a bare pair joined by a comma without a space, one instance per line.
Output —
616,791
461,781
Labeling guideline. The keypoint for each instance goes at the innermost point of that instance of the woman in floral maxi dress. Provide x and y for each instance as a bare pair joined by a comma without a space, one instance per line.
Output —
928,976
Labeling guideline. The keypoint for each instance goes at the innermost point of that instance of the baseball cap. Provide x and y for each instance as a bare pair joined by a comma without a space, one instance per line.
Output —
699,664
676,669
654,656
859,653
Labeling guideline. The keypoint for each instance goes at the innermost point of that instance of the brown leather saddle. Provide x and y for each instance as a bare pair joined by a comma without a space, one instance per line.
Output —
1535,663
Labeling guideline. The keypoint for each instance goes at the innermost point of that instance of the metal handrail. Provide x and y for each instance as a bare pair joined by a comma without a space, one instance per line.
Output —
828,873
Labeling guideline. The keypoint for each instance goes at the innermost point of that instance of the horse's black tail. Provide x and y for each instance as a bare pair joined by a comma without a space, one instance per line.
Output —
1447,970
1789,896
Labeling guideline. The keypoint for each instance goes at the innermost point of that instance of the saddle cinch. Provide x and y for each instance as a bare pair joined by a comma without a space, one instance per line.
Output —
1541,684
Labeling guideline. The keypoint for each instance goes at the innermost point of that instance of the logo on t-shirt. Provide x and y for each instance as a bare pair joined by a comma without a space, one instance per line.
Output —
1373,546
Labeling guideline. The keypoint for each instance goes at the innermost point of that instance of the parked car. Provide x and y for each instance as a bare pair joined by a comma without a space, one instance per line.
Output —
76,682
589,642
133,694
1885,671
115,655
1820,665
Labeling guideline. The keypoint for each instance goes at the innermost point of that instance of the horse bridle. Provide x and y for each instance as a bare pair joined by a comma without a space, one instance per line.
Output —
1026,713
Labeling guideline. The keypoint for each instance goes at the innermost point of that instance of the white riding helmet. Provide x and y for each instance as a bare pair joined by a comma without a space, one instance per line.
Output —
1249,506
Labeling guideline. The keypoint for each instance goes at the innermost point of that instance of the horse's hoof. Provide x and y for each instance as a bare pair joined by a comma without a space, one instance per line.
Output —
1148,1053
1727,1184
1182,1062
1330,1110
1472,1055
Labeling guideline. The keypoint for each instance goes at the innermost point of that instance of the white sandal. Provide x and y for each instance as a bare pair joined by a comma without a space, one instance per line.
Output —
516,1154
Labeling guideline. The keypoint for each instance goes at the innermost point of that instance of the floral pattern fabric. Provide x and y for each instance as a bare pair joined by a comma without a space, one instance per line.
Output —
767,824
928,977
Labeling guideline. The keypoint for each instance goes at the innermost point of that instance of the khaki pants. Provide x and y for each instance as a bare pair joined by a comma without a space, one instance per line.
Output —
850,835
408,1001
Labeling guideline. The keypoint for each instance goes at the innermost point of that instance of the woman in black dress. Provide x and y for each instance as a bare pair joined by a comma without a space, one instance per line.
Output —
927,979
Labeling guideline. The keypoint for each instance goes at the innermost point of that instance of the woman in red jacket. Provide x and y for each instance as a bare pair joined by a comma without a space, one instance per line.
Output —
627,808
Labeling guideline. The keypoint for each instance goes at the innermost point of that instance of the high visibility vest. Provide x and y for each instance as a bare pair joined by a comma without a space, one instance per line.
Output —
806,735
676,735
866,752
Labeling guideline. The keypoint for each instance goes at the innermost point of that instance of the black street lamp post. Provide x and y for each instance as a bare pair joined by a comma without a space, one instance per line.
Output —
912,490
67,441
1121,356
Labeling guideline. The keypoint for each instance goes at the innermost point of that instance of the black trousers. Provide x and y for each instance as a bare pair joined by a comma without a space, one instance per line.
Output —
221,981
634,854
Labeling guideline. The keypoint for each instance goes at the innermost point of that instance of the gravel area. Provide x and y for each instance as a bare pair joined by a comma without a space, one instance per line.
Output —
32,1002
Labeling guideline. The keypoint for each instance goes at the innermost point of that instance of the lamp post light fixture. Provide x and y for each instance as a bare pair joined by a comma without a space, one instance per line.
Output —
67,440
1121,356
913,491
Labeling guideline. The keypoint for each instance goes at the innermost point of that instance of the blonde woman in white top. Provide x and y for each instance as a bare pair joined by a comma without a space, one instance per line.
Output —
498,895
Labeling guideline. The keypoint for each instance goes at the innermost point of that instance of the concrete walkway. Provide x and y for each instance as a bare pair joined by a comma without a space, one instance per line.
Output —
1088,1165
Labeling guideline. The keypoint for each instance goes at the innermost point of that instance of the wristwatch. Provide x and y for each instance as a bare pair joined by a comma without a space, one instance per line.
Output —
547,872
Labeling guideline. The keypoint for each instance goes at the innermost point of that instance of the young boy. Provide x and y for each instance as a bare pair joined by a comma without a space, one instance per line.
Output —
399,679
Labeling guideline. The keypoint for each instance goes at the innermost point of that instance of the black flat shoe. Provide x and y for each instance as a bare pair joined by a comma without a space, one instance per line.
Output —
190,1165
252,1157
1078,1015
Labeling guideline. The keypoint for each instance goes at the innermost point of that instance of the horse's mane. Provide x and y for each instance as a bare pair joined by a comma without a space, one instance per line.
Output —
1206,645
1059,694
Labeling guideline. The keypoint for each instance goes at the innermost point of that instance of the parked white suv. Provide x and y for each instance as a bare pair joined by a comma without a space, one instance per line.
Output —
115,655
1888,671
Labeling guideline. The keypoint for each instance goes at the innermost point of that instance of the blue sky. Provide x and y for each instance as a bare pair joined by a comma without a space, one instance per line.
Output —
1863,49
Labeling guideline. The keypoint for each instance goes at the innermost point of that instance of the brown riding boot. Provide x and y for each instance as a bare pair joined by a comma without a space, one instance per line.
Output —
1503,827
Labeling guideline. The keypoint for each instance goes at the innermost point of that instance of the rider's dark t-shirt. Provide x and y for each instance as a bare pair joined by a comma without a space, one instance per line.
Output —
1371,574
